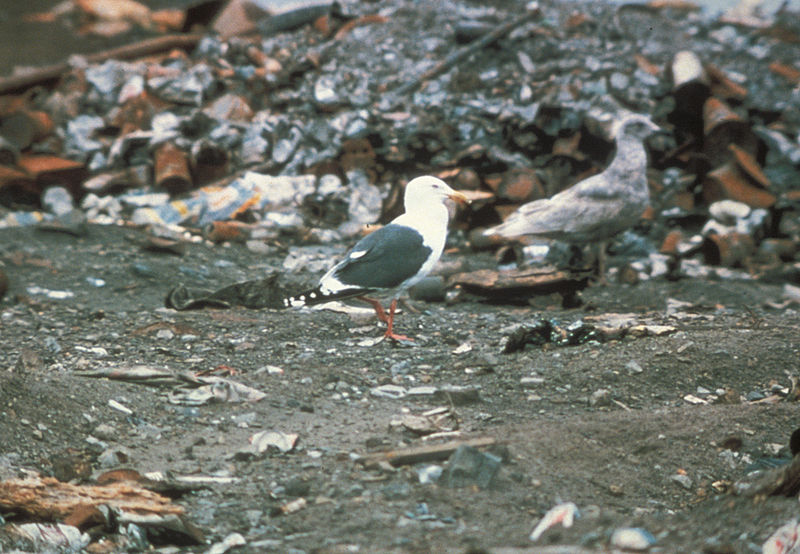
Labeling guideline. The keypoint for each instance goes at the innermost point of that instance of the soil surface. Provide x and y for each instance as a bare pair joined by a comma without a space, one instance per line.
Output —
648,430
615,459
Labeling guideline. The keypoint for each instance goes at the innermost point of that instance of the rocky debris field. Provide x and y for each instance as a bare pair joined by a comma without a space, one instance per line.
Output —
157,202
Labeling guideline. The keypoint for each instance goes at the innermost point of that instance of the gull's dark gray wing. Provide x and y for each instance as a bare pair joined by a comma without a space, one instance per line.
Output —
383,259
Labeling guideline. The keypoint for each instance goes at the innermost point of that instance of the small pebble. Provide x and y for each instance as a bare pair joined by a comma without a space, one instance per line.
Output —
600,397
682,480
633,367
632,538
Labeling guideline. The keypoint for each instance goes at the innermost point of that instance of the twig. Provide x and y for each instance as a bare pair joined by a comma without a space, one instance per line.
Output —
455,58
422,453
140,49
621,405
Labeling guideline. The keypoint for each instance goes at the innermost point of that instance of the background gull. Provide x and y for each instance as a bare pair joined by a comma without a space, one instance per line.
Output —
394,257
597,208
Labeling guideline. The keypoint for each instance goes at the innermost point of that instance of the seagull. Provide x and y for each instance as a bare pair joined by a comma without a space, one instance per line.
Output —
597,208
394,257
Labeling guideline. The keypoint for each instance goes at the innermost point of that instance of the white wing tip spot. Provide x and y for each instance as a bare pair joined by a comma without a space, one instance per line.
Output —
295,301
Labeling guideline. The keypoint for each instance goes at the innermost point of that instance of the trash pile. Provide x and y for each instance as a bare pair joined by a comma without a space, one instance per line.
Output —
306,123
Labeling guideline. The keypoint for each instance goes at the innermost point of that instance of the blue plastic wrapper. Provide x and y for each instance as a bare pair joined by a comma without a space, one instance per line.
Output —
252,191
20,219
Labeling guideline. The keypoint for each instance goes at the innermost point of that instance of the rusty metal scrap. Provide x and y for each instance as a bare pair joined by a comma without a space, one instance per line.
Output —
729,250
172,169
728,181
723,127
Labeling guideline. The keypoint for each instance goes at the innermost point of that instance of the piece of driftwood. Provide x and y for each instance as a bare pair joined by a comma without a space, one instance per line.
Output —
49,499
493,281
520,284
146,47
418,454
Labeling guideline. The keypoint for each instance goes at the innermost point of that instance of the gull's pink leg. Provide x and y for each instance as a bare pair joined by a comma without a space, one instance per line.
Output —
378,308
389,324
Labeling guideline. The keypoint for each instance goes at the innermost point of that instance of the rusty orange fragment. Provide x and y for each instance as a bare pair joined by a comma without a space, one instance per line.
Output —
118,10
357,154
222,231
11,103
136,113
722,85
14,178
576,19
363,20
323,25
729,182
52,169
749,165
791,74
169,20
792,195
715,112
172,169
723,127
646,65
22,128
568,146
466,178
517,185
48,498
729,250
684,200
40,17
671,242
680,5
119,476
237,18
84,516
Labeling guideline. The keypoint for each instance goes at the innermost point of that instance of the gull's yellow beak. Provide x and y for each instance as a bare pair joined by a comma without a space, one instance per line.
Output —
459,197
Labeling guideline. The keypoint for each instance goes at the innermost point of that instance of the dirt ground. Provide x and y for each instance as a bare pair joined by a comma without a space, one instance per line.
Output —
616,460
649,430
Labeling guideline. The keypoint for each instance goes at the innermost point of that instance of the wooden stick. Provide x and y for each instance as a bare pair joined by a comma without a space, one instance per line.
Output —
140,49
50,499
426,453
460,55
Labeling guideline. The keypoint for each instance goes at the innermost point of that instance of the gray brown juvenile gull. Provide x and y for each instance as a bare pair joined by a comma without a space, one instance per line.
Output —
597,208
394,257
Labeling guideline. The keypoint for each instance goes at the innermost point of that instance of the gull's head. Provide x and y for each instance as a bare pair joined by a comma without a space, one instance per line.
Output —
634,126
428,189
